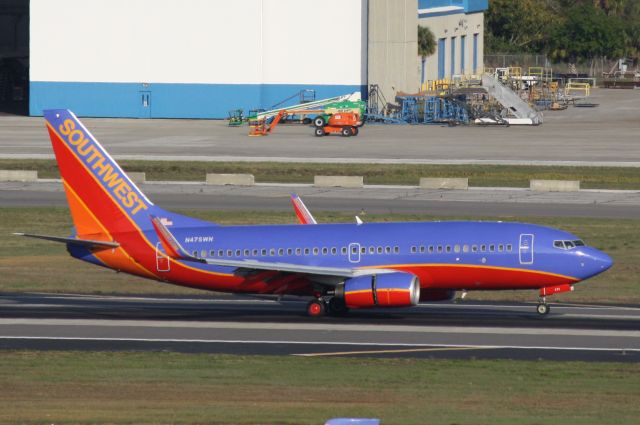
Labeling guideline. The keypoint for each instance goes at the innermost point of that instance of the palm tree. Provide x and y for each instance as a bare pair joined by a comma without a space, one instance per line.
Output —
426,46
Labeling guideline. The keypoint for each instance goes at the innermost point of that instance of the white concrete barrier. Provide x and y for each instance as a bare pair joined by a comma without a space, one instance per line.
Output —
338,181
18,176
554,185
137,177
231,179
444,183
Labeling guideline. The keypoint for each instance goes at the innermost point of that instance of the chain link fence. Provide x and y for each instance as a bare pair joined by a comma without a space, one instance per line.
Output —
593,68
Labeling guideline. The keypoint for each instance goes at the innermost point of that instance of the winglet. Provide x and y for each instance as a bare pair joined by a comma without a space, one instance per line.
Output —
170,244
302,212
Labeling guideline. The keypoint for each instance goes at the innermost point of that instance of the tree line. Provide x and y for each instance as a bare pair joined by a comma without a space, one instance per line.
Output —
574,31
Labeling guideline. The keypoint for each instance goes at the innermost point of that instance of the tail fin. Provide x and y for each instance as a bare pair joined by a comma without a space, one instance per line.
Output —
102,199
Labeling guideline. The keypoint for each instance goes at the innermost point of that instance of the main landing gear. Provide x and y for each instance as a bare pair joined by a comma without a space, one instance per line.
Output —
321,307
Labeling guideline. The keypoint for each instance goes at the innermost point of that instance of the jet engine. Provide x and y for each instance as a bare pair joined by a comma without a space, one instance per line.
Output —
437,295
380,290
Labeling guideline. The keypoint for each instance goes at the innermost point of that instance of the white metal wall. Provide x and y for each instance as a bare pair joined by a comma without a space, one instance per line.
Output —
198,41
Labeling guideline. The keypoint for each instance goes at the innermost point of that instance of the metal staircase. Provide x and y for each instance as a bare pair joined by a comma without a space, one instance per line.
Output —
511,101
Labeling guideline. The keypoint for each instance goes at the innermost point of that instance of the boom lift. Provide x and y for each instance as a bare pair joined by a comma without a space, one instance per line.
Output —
345,123
260,127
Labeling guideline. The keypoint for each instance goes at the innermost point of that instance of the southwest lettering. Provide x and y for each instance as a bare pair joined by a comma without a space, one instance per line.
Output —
76,137
66,127
102,167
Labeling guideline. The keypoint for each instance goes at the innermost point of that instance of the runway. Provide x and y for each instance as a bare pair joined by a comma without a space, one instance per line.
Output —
237,325
373,199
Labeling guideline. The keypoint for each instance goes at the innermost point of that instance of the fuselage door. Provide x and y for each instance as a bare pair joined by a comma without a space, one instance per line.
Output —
354,252
526,248
163,262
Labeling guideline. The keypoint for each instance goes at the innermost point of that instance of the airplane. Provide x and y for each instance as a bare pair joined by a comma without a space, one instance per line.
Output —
337,266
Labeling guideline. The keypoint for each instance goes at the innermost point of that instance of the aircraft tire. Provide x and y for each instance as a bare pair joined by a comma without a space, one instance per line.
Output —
543,309
316,308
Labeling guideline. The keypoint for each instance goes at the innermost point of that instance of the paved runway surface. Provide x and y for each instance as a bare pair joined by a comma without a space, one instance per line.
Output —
221,324
606,134
400,200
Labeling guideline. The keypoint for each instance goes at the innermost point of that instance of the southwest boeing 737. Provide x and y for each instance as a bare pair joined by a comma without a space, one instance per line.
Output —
338,266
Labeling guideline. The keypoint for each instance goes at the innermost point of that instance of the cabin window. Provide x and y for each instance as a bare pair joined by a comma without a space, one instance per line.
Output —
440,248
354,249
334,250
465,248
448,247
272,252
509,247
298,251
387,249
238,252
422,249
396,249
414,249
456,248
229,253
220,253
372,250
281,252
195,254
363,250
263,252
255,252
500,248
474,248
343,250
212,253
289,251
379,250
483,248
247,252
307,251
325,251
492,248
316,251
430,249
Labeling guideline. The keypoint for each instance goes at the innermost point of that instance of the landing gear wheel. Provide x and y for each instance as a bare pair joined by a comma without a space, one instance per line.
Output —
346,131
355,131
337,306
543,309
319,132
319,122
316,308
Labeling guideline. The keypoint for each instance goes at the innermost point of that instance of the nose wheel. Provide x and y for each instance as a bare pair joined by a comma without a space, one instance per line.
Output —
543,308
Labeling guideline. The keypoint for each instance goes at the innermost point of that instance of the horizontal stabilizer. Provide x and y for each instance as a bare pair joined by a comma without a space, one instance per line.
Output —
73,241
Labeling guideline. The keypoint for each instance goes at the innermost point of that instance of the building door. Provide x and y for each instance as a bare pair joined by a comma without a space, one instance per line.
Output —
526,249
453,56
475,54
463,42
145,104
441,58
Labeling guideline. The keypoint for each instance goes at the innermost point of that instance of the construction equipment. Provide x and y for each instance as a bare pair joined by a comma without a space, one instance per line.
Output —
236,117
358,107
344,123
261,127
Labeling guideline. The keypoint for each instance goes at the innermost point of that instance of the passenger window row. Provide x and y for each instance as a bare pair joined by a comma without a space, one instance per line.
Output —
281,252
431,249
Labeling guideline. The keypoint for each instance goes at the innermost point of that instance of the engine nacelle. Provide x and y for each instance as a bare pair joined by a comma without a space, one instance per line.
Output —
437,295
381,290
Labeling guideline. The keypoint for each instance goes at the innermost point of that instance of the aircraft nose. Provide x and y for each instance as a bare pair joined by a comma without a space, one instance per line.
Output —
598,261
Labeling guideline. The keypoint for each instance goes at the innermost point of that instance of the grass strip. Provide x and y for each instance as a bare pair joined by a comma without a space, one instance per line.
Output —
393,174
31,265
170,388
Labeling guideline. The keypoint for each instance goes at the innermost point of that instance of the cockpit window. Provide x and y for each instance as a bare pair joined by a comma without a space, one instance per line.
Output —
568,244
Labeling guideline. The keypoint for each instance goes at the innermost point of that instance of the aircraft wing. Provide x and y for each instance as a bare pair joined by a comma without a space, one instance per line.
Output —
174,250
87,243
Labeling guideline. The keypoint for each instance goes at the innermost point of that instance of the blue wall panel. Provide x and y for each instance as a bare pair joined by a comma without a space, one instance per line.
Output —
168,100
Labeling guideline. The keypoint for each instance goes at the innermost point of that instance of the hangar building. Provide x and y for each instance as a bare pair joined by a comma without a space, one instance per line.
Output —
202,58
